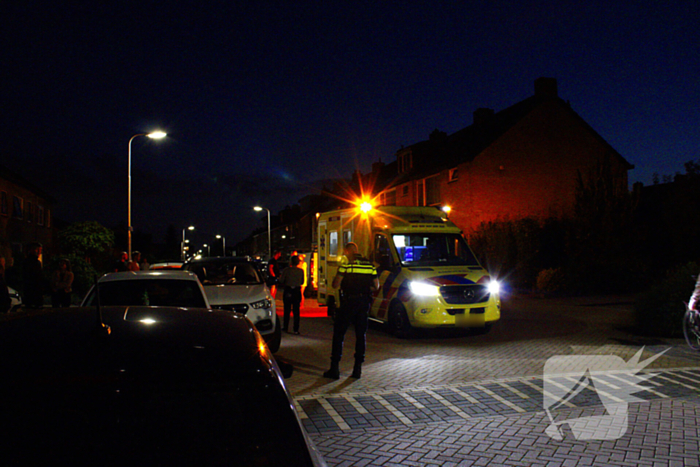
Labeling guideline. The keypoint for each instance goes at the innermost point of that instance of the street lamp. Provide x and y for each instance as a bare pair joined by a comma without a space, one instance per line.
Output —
152,135
208,250
182,247
223,244
269,235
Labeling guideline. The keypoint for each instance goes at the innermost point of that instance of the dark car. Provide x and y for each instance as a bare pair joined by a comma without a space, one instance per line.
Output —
159,386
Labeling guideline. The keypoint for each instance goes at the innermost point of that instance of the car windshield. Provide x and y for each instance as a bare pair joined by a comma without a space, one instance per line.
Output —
434,249
233,272
152,292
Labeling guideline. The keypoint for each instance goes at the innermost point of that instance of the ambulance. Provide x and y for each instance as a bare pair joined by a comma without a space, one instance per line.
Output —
428,275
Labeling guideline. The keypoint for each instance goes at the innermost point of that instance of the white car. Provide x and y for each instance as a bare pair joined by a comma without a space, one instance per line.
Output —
236,284
148,288
15,298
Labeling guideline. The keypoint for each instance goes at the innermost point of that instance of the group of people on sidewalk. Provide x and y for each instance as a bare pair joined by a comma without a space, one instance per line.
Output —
35,284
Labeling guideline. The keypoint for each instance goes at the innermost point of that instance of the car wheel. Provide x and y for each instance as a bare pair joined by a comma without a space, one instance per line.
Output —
276,340
399,325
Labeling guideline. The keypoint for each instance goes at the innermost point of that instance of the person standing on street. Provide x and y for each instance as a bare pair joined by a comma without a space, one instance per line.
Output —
33,277
61,285
134,265
291,280
273,270
357,279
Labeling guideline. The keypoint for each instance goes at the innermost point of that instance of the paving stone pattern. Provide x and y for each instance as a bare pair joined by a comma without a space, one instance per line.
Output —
662,432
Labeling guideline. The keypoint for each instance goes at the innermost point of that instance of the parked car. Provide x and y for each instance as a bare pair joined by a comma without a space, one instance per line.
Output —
136,385
235,284
15,298
148,288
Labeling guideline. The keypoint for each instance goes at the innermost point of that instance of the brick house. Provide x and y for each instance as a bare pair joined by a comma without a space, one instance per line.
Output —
25,216
523,161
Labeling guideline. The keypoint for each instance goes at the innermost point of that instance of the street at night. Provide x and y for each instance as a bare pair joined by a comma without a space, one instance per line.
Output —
463,400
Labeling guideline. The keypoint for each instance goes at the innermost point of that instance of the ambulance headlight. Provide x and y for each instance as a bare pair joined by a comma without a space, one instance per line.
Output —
494,287
424,290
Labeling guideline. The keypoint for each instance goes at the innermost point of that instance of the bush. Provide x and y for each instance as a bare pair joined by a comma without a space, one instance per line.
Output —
550,281
659,311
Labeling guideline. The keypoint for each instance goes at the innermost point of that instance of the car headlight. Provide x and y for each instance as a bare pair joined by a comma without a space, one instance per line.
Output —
423,289
266,303
494,287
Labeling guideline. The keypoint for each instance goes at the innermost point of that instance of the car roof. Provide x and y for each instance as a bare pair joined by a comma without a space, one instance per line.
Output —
173,274
221,260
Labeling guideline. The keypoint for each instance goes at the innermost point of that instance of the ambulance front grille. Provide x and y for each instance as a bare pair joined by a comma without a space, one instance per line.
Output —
464,294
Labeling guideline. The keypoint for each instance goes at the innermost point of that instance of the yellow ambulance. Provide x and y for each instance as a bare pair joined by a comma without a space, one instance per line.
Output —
429,276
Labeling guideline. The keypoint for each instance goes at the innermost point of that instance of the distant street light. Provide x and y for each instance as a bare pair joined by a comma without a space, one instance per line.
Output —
269,234
182,247
206,245
223,244
152,135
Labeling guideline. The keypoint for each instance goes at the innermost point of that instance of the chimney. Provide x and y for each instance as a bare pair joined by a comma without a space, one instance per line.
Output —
377,166
546,87
482,116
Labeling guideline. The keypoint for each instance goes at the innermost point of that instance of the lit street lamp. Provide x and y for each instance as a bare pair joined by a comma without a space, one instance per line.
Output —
269,235
223,244
206,245
182,247
152,135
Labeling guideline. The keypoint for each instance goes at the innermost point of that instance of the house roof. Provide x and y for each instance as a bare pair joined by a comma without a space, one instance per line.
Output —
443,151
19,180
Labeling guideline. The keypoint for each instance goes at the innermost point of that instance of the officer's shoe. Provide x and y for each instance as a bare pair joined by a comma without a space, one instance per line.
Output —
333,373
357,371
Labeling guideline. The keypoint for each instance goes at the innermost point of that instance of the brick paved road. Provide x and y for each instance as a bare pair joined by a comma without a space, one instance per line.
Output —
459,400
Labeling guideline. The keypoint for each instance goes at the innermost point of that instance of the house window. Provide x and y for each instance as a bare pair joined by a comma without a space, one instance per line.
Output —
29,212
17,207
454,174
405,162
405,190
428,191
432,191
4,204
40,214
390,198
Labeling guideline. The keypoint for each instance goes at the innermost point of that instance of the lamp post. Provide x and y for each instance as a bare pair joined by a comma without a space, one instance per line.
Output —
152,135
182,247
269,235
223,244
206,245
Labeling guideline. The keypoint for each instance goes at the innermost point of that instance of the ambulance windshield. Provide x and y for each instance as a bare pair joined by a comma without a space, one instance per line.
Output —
434,249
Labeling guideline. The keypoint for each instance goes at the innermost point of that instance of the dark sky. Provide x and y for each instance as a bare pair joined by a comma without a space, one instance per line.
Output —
263,99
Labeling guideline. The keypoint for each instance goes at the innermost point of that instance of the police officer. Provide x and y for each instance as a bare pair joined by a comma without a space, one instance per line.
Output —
357,279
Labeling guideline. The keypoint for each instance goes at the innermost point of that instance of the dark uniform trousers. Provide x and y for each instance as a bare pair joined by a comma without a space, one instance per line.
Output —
354,309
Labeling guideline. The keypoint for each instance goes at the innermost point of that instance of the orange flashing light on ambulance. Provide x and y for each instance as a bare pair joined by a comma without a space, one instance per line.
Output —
429,276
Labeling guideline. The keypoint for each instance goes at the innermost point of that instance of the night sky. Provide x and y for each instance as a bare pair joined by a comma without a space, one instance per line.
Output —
262,100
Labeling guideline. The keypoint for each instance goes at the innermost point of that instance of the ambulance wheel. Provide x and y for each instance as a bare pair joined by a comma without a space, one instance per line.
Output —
399,325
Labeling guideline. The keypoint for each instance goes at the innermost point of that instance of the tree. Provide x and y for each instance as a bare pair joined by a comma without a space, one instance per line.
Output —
86,239
88,246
